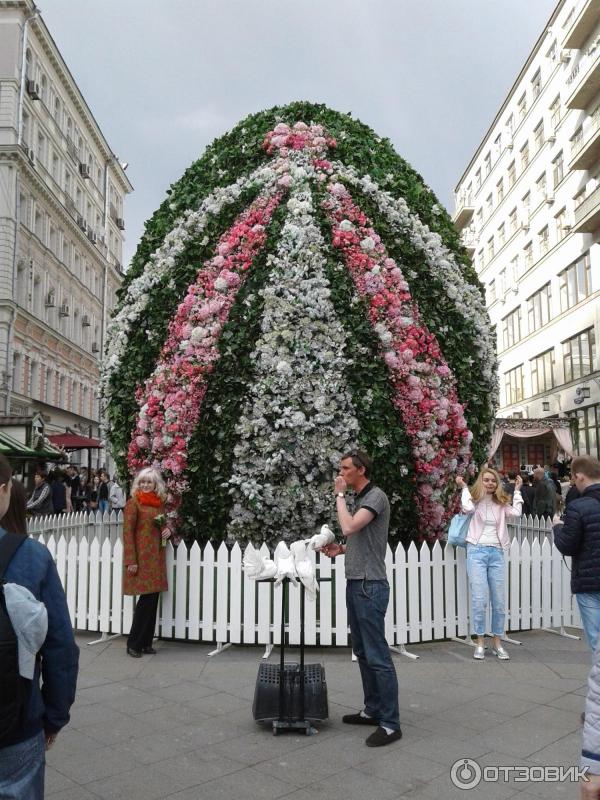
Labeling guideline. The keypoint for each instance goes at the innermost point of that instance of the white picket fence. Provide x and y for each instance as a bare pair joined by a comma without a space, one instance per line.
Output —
211,599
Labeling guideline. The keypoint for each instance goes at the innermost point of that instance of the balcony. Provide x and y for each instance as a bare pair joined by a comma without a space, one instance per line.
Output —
587,215
585,151
584,21
464,210
584,81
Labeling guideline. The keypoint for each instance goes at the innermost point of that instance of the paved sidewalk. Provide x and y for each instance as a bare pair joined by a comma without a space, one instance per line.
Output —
179,725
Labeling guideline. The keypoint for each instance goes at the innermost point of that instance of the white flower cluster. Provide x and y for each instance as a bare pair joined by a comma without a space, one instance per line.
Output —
299,417
442,264
190,226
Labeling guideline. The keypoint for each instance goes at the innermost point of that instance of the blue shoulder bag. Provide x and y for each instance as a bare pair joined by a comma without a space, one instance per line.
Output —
459,527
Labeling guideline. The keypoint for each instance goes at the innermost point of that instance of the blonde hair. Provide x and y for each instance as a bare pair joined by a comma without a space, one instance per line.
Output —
154,475
478,491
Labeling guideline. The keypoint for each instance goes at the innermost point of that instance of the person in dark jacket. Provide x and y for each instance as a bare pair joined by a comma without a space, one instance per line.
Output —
579,537
47,706
572,493
59,492
40,502
527,493
544,500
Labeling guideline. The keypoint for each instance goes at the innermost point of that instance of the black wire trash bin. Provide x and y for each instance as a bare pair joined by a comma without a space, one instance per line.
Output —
292,694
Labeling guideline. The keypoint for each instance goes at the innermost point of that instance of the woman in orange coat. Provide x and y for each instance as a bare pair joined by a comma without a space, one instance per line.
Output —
145,571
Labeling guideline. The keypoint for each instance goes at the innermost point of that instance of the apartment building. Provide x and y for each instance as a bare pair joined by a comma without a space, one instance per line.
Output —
61,231
528,206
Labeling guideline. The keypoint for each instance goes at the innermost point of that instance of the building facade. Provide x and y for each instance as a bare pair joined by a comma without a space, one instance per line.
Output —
528,206
61,231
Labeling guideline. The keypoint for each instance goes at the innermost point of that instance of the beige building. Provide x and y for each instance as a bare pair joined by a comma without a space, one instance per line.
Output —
61,231
528,206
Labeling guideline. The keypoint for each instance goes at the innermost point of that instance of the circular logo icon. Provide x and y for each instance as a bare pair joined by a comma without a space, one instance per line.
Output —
465,773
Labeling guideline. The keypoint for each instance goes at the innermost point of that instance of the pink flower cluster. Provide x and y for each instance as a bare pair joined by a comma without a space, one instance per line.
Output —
301,136
425,393
171,400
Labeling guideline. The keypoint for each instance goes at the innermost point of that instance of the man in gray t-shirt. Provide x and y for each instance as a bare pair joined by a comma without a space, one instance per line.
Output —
367,595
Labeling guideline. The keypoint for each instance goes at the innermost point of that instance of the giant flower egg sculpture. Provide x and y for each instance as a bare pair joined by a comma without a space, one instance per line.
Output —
300,294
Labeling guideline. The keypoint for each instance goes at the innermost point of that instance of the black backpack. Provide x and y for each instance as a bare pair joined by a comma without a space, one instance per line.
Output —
13,688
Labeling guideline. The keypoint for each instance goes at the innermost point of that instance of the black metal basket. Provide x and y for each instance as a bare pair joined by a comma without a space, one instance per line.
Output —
270,703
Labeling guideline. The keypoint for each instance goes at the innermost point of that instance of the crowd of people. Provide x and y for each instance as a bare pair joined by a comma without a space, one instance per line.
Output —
63,491
573,503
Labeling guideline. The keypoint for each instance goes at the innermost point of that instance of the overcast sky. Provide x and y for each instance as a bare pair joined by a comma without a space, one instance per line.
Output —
165,77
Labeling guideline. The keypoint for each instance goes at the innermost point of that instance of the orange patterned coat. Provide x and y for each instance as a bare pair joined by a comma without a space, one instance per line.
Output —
142,546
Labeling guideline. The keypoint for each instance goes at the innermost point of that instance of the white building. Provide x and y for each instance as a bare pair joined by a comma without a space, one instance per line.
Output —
528,206
61,224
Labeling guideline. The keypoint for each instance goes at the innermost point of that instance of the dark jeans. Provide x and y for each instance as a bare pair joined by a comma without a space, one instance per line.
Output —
367,603
144,622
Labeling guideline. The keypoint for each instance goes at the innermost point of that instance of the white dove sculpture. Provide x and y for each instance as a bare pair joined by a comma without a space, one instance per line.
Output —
284,563
319,540
305,567
256,566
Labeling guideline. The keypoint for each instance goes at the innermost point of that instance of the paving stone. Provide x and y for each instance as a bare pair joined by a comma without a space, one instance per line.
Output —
55,782
246,783
142,783
103,762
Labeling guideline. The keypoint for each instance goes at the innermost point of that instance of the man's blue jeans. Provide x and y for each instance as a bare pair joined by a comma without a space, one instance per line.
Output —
485,568
103,506
22,770
589,609
367,603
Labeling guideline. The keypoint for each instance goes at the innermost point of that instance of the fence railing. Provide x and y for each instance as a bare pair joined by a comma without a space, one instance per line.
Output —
211,599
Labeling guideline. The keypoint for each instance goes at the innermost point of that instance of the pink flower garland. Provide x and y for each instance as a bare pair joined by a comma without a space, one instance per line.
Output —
425,392
171,400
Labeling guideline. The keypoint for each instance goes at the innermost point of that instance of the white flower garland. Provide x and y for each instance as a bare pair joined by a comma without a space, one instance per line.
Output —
299,418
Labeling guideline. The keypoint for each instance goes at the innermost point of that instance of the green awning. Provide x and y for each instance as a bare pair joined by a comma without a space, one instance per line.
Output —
12,448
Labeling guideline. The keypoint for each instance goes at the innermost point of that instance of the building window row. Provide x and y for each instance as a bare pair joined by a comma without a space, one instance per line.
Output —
51,386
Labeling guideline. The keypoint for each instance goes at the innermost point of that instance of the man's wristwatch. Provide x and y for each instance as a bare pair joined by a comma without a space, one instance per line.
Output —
340,494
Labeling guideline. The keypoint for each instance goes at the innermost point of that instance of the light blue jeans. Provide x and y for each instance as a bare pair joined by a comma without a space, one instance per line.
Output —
22,770
589,609
485,568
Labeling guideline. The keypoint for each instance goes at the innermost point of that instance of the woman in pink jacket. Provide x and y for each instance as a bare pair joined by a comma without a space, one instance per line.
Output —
486,540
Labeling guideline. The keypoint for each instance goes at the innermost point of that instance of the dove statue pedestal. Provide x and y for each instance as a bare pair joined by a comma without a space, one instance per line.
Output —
291,695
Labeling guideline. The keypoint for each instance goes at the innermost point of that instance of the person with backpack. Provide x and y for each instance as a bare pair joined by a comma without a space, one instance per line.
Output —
36,645
579,537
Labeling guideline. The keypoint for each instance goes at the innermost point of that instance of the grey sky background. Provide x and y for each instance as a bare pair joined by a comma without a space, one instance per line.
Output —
165,77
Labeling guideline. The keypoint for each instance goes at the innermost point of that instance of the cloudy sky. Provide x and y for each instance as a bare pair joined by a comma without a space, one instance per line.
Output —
165,77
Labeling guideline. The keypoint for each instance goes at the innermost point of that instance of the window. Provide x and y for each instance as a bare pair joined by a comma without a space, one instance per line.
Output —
588,430
544,240
497,146
510,124
491,292
575,282
538,308
489,206
542,372
501,235
502,288
500,190
579,355
512,174
555,113
538,136
579,198
479,219
513,385
536,84
512,221
34,380
55,167
557,169
522,107
17,375
514,269
41,148
561,224
48,397
511,328
576,140
552,54
490,248
528,255
57,111
526,200
487,164
478,180
524,153
540,186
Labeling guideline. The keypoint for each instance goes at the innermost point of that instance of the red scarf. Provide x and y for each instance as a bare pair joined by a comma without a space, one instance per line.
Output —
148,499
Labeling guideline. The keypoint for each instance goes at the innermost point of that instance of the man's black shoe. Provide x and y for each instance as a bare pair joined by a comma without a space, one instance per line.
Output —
381,737
150,651
358,719
133,653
